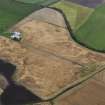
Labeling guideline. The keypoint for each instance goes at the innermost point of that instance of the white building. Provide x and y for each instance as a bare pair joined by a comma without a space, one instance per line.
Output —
16,36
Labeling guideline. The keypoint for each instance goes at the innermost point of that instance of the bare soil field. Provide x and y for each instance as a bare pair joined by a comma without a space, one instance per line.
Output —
52,59
41,73
90,94
47,67
56,40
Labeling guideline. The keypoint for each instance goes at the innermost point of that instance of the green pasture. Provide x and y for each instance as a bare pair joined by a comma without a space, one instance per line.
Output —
92,32
38,2
31,1
12,11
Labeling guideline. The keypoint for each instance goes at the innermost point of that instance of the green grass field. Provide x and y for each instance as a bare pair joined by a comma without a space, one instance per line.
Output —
31,1
92,33
75,13
12,11
38,2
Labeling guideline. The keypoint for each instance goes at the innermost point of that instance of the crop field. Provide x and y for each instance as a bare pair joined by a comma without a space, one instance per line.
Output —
92,33
75,13
88,3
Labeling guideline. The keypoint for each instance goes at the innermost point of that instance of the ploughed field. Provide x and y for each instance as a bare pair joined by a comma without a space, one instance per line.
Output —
92,32
91,93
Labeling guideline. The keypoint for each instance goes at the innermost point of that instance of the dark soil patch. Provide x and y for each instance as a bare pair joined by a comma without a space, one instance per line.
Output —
18,95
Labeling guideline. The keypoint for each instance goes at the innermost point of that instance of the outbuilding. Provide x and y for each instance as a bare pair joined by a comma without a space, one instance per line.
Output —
16,36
